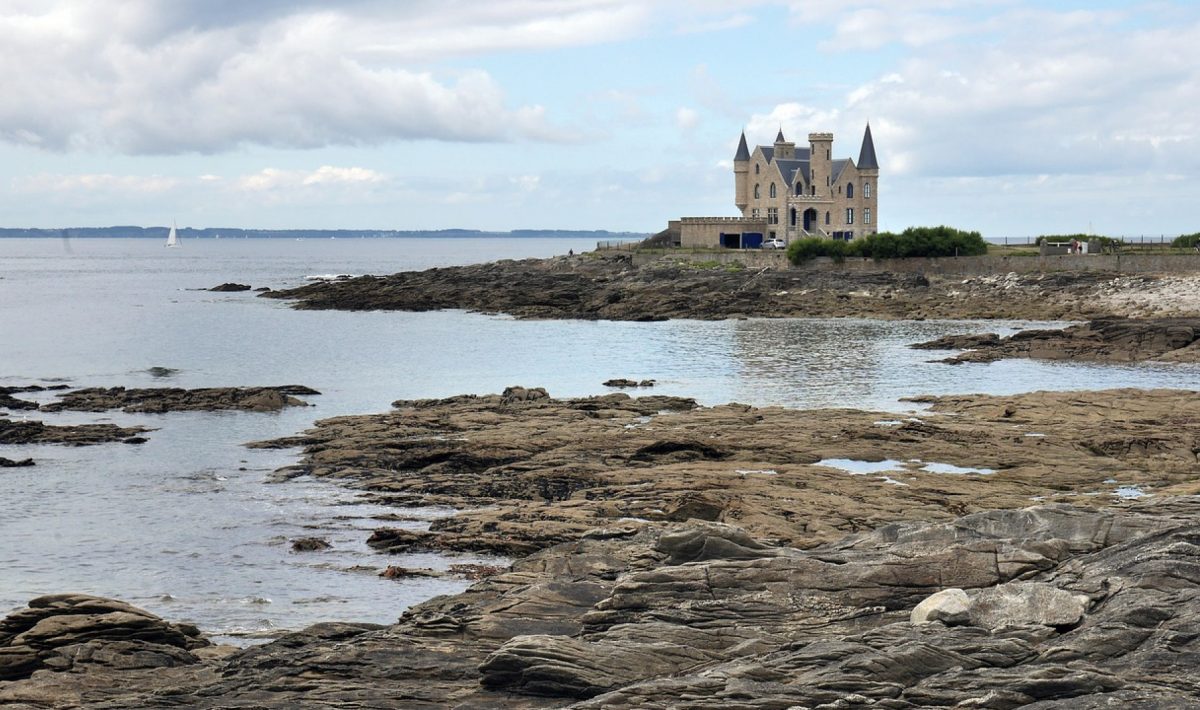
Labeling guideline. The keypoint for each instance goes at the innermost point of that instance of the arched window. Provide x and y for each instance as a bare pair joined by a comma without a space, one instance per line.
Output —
772,190
799,189
849,189
757,192
867,190
756,168
826,218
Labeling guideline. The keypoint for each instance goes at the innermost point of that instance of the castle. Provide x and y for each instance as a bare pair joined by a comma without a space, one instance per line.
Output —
787,193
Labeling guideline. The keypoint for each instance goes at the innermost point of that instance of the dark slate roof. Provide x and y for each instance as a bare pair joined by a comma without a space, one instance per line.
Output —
743,153
838,166
768,152
779,138
789,167
866,156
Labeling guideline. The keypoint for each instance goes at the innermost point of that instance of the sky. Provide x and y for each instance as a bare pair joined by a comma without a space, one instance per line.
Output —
1011,117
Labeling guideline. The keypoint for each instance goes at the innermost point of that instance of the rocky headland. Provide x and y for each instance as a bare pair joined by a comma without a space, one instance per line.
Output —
1102,340
677,556
603,286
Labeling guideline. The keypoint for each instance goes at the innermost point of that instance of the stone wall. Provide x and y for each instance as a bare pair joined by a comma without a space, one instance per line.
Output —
954,266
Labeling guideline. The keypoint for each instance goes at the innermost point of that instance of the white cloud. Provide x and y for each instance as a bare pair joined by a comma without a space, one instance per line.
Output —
686,119
95,183
325,176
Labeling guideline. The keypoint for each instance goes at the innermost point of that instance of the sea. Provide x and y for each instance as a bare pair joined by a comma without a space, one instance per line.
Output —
188,525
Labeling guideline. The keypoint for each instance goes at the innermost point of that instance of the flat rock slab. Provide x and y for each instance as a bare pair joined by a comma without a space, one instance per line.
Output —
621,621
1103,340
174,399
36,432
525,471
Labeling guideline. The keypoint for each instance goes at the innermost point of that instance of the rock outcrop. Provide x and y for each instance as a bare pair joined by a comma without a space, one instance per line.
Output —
36,432
1103,340
610,287
157,400
1067,607
527,471
230,287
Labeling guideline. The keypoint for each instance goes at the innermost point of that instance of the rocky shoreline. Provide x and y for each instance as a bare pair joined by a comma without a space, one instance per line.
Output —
602,286
677,556
1103,340
153,400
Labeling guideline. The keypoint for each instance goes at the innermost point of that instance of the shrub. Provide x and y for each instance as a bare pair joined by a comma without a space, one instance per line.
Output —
802,250
1186,241
918,242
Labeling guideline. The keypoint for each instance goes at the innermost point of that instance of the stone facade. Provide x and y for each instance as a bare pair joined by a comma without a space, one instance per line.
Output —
789,193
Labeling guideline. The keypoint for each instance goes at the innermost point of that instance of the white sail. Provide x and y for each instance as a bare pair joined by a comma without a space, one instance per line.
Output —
172,238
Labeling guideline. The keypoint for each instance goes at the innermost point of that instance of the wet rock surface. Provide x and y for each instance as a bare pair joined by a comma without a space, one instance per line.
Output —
230,287
525,474
10,463
1068,607
599,286
174,399
36,432
1102,340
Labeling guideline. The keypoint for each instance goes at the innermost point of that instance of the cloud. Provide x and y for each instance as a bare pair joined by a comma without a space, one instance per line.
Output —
158,77
325,176
686,119
96,183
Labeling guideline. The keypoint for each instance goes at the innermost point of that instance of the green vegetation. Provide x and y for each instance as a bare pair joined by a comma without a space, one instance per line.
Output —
918,242
802,250
912,242
1186,241
1065,238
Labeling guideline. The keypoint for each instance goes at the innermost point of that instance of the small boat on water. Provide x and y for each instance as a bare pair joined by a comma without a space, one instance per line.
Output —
172,237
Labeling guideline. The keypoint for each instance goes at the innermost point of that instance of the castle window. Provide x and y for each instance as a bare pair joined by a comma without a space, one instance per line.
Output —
756,168
772,215
799,189
849,189
829,154
826,218
812,189
867,190
757,192
839,189
754,213
866,215
849,215
772,189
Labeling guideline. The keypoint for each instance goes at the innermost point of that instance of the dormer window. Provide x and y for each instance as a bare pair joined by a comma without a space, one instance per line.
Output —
756,168
799,189
772,190
849,189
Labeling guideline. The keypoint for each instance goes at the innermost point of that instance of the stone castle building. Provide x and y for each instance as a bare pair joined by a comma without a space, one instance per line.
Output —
790,193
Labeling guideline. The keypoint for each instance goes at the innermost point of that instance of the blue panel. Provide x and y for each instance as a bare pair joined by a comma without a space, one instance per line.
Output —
752,240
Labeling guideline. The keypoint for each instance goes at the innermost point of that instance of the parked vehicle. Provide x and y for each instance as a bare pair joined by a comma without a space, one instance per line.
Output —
774,244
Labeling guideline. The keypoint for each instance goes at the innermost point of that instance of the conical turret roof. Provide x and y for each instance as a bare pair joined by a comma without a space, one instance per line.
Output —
866,156
743,153
779,138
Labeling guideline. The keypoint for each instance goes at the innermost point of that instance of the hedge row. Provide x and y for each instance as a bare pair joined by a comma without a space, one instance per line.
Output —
912,242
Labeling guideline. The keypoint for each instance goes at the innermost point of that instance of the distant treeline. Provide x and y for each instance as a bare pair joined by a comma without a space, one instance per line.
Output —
235,233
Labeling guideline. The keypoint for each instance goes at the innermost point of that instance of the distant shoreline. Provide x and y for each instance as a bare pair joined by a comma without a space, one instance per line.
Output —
238,233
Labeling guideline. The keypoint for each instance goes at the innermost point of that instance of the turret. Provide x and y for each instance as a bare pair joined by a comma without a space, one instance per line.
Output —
783,149
868,171
820,161
741,176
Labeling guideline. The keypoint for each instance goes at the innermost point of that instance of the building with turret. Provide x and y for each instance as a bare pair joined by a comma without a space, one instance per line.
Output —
785,192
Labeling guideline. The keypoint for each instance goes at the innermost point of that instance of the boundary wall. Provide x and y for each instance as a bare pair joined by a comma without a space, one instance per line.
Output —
948,266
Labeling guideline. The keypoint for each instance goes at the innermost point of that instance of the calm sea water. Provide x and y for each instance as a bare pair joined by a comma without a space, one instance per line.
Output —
185,525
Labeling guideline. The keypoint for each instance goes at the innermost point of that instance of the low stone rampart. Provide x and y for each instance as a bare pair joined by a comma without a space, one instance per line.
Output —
950,266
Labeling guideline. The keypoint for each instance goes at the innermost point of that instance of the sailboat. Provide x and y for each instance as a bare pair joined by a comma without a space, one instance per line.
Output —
172,237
